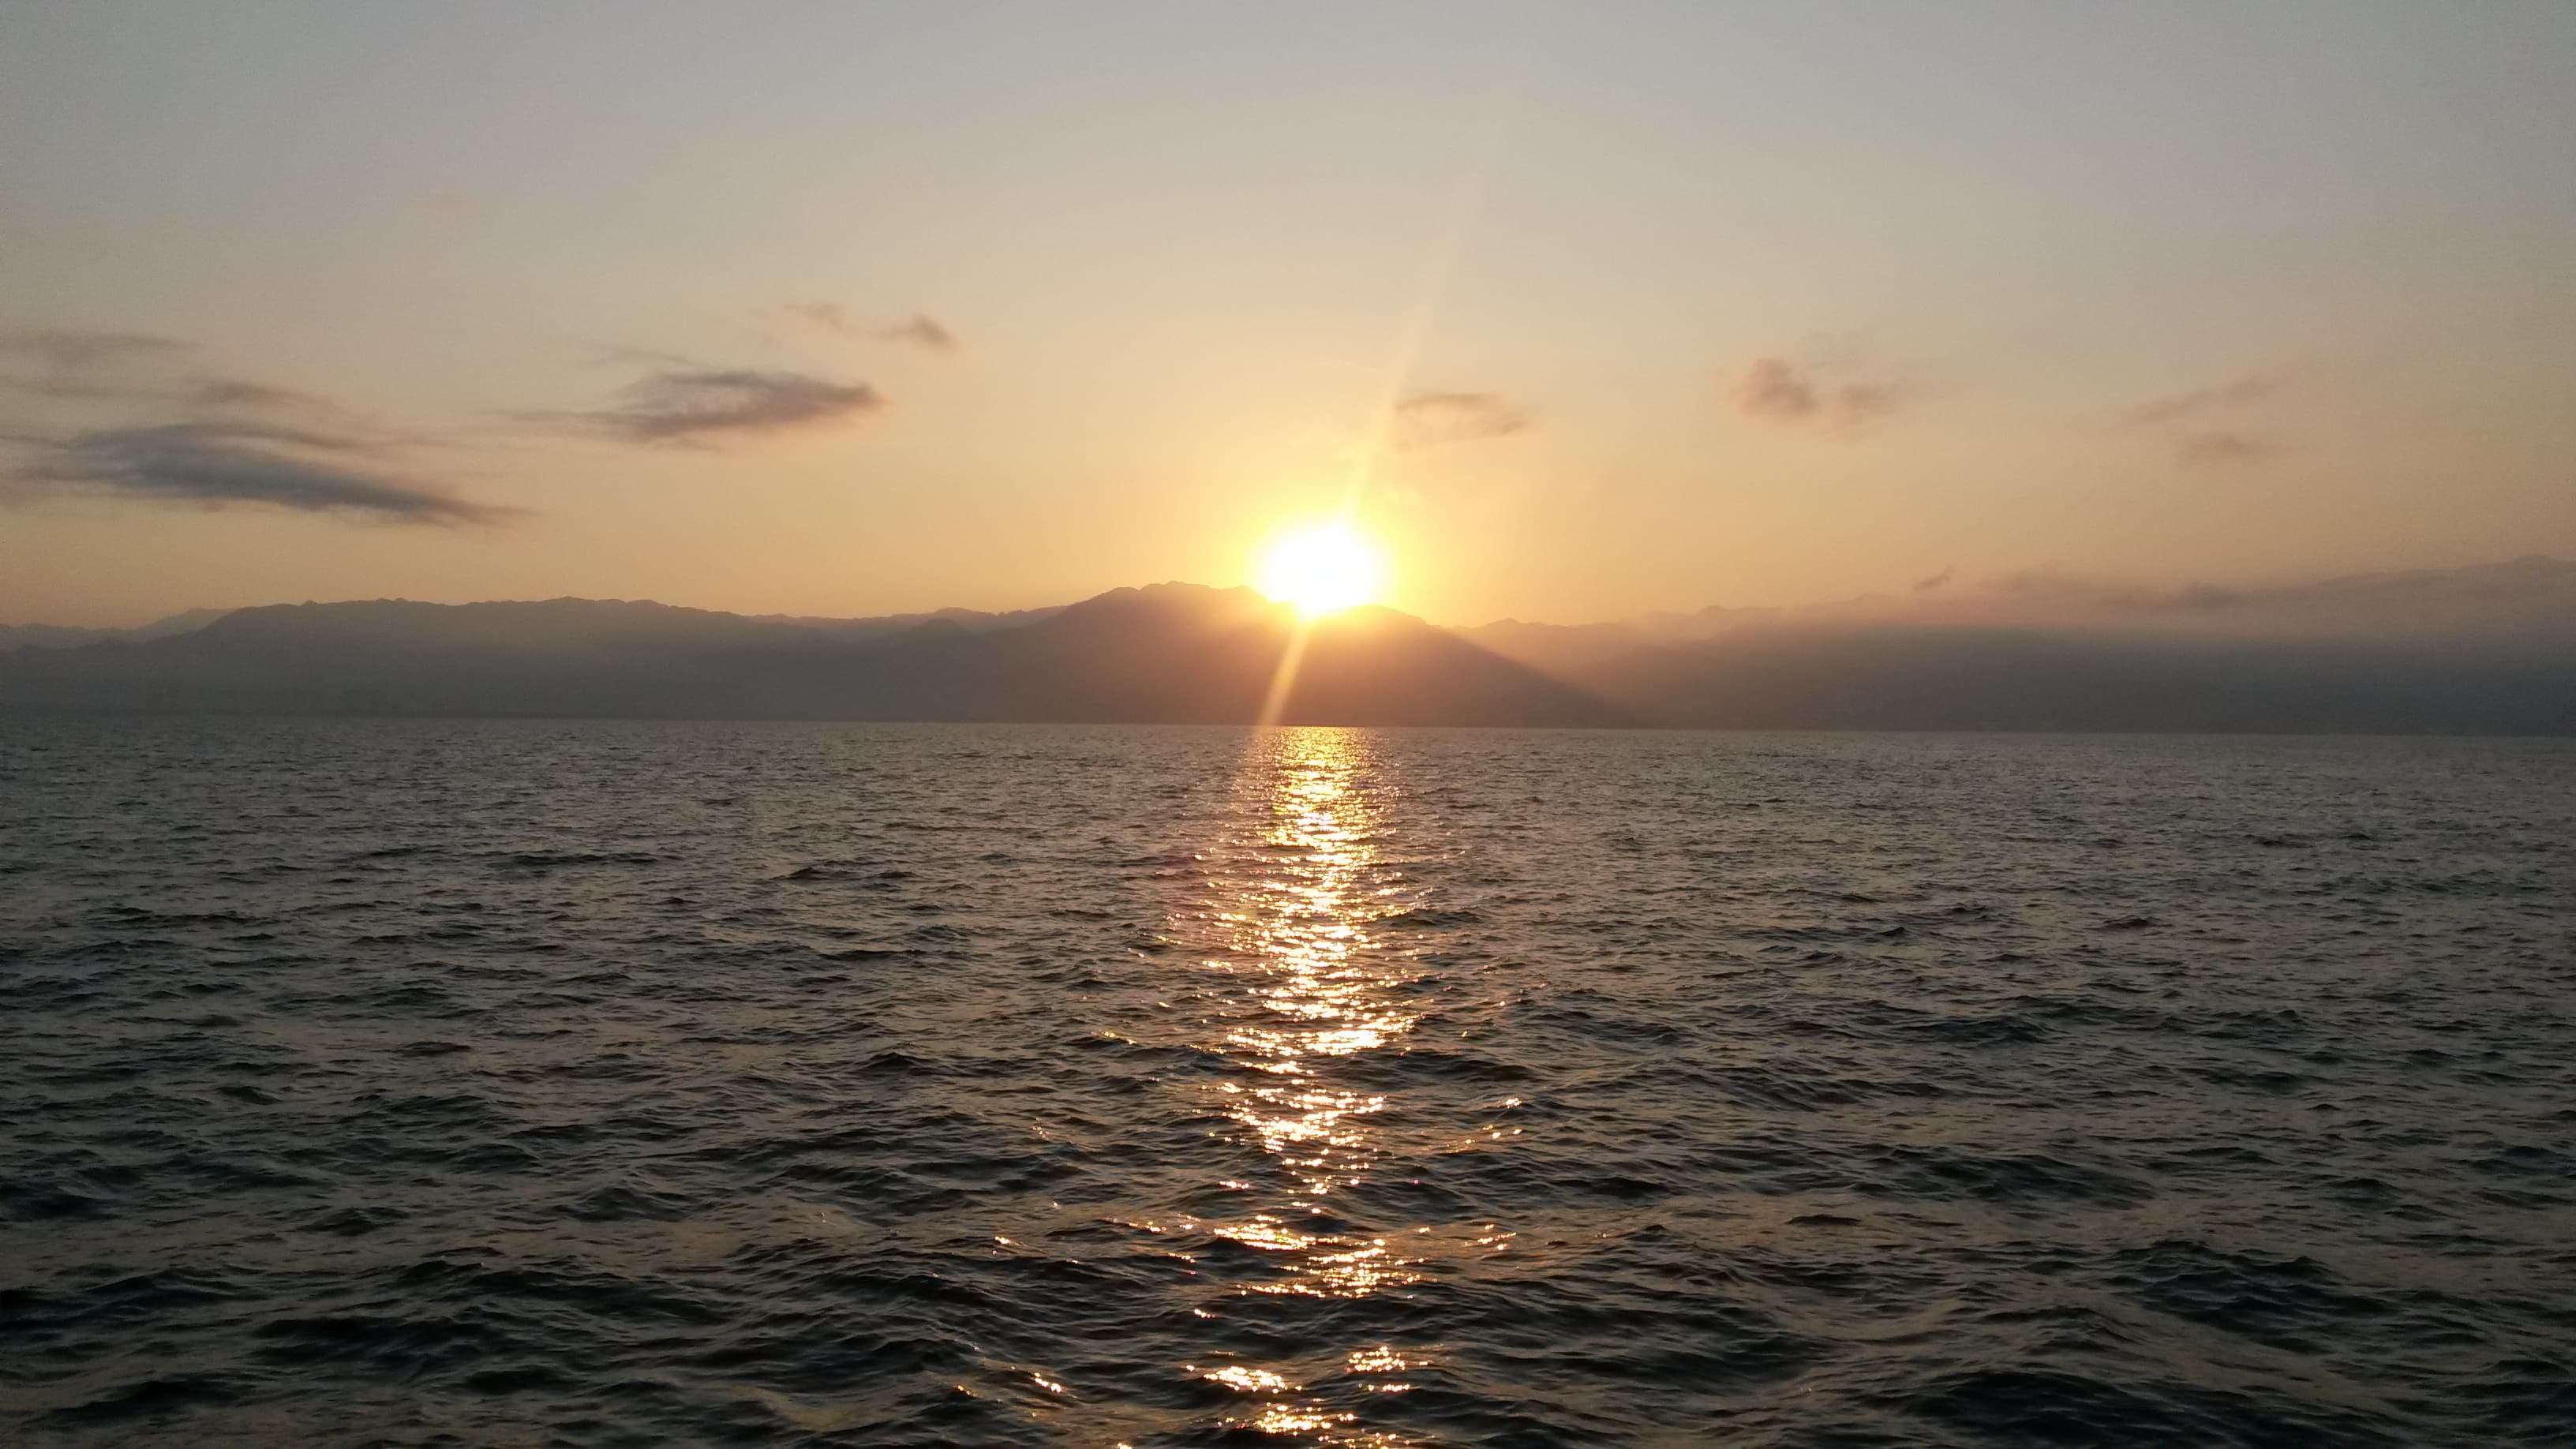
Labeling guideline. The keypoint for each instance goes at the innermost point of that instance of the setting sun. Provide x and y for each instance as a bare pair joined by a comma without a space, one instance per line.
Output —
1321,569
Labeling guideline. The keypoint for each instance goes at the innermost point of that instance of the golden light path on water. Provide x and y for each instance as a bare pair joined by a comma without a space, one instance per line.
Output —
1311,989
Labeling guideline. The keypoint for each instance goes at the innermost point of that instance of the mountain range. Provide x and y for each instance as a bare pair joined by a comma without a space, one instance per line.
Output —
2488,649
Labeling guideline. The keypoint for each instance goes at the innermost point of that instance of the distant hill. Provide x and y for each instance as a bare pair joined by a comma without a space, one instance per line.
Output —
2489,649
2524,598
64,636
973,621
2481,650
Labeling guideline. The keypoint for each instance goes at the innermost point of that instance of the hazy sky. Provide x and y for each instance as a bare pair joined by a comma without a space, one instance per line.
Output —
851,309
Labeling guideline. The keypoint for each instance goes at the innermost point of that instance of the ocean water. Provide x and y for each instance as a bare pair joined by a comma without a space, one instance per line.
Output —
627,1084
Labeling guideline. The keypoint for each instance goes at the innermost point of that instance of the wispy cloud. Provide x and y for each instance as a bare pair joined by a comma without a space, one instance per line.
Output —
919,330
699,405
218,464
157,427
74,349
2211,426
1836,395
830,316
1435,419
2223,448
137,368
923,331
75,365
2232,395
234,392
1927,585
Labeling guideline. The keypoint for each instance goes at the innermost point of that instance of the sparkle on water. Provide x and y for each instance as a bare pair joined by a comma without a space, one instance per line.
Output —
1295,942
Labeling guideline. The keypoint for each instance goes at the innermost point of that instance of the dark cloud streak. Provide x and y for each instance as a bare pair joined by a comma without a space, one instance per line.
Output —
74,349
139,368
685,406
234,392
74,365
217,464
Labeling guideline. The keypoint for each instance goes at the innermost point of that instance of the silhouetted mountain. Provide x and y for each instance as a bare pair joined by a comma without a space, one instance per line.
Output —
2489,650
974,621
1176,653
1183,653
65,636
2524,599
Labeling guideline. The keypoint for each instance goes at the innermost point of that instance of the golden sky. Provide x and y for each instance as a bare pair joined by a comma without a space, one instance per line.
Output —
1592,309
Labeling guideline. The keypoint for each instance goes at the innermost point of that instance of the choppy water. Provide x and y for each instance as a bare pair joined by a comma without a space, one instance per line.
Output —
406,1083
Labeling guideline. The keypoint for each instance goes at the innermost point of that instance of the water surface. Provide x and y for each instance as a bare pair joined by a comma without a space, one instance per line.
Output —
487,1083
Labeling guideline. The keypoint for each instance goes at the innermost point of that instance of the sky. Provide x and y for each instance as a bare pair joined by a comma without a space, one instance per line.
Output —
1578,310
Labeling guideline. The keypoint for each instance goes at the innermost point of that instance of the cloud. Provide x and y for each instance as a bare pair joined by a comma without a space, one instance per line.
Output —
2204,427
923,331
138,367
1436,419
234,392
68,349
77,365
1790,392
918,330
691,405
217,464
156,426
1773,388
827,315
2222,448
1925,586
2235,393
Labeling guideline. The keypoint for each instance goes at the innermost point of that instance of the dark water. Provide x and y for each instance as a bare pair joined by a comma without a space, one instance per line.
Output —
413,1083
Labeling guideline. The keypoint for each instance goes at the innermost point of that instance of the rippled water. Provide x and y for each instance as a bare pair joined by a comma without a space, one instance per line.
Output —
499,1083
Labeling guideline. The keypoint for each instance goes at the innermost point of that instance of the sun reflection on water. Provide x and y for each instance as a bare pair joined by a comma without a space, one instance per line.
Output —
1302,925
1310,990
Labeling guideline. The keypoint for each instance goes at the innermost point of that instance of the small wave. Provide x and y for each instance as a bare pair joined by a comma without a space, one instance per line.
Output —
1426,918
553,859
159,1397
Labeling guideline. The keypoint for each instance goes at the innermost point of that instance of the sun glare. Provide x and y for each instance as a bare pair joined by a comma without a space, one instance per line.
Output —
1321,569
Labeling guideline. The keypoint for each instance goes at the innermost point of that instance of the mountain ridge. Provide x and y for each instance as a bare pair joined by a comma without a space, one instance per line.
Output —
2530,581
2486,649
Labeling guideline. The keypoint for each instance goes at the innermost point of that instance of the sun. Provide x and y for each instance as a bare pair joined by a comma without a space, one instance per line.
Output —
1321,569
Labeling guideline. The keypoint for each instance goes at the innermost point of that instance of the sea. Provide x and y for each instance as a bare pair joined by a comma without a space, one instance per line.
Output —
409,1082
